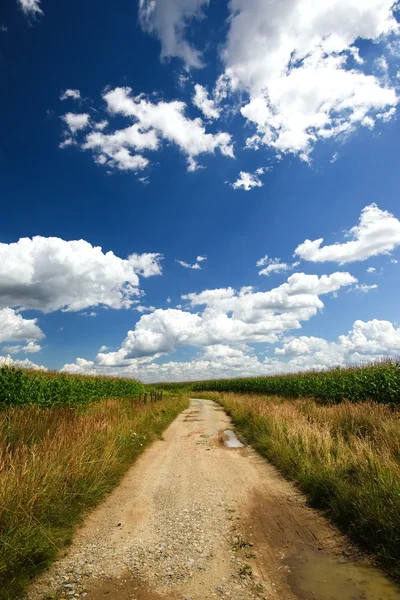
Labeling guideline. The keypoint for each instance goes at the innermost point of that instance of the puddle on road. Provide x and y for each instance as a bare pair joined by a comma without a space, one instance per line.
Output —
232,441
327,577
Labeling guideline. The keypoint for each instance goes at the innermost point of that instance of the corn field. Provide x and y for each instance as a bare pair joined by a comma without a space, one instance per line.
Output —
20,387
379,382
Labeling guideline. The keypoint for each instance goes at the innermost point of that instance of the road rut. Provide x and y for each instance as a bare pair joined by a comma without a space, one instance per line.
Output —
195,520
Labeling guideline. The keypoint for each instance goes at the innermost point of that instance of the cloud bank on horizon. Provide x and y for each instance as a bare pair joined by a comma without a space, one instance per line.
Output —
221,323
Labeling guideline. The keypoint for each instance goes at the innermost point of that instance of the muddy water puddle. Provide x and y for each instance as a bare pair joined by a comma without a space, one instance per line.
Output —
231,441
319,576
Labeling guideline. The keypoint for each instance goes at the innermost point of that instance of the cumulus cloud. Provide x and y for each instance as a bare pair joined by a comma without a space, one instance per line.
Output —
227,317
378,232
147,264
14,327
274,265
167,119
169,21
24,364
31,7
100,125
299,65
213,362
76,121
153,122
204,103
51,274
72,94
366,341
371,270
247,181
29,348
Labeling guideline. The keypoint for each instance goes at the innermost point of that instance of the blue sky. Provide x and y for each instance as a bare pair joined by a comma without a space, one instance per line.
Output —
217,134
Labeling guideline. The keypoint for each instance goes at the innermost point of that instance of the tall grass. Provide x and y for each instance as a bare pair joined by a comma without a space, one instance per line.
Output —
379,382
22,387
57,463
345,457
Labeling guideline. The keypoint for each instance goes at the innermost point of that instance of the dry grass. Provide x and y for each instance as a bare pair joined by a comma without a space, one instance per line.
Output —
55,464
345,457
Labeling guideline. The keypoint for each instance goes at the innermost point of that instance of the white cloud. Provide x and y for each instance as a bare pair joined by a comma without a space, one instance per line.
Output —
294,59
31,7
76,121
195,265
3,28
167,119
247,181
372,338
274,265
212,362
382,64
334,158
366,341
14,328
262,261
142,309
364,288
169,300
24,364
187,265
378,232
371,270
228,317
146,264
100,125
72,94
67,142
153,123
168,21
29,348
53,274
204,103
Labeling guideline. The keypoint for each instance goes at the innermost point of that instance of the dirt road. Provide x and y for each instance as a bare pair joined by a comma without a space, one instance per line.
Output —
196,520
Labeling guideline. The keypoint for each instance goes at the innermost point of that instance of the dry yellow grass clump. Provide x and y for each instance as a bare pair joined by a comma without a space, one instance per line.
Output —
56,463
344,456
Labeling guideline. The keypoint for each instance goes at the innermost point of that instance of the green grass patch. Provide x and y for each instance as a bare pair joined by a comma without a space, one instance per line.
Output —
57,463
345,457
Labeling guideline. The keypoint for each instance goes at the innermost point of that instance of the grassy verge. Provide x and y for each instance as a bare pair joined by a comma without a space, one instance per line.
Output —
57,463
345,457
